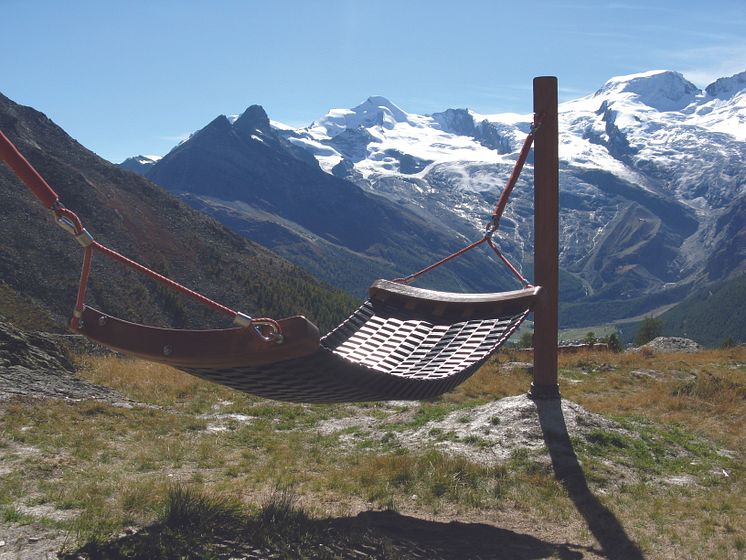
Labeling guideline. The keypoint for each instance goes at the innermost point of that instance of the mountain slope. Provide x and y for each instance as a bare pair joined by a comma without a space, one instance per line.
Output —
652,190
653,174
39,263
269,189
709,315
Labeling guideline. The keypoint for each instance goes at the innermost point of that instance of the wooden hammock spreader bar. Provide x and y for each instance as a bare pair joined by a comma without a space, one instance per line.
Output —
451,307
211,349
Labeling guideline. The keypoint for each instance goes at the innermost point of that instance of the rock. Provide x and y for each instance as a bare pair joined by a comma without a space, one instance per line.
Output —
669,344
492,432
36,364
646,373
31,350
518,365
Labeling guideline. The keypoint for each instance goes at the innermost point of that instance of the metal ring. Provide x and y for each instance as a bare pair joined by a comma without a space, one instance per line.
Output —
275,335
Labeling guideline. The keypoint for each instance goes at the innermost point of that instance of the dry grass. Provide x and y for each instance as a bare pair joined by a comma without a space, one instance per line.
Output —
705,391
149,382
112,467
492,381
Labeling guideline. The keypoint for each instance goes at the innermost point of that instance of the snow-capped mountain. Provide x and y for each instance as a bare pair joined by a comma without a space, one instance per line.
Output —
651,166
139,164
256,182
652,181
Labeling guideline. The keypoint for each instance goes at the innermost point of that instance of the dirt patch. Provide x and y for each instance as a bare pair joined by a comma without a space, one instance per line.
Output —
655,374
47,512
358,422
333,425
225,421
30,542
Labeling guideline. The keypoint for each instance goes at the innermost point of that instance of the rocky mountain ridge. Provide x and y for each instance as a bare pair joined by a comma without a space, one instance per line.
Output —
652,187
40,264
652,182
270,189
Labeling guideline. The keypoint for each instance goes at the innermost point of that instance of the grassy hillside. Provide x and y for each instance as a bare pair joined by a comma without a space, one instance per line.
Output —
194,470
711,314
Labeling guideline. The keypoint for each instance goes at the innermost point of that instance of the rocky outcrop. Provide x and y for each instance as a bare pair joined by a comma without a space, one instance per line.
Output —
669,344
35,364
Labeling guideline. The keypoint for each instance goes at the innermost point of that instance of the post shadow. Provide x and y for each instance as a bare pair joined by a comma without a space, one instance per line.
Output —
604,525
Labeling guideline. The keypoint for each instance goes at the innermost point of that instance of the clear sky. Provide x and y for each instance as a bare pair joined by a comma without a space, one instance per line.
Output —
134,77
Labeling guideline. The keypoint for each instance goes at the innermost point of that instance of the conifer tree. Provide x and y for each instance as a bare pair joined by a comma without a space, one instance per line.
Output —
650,328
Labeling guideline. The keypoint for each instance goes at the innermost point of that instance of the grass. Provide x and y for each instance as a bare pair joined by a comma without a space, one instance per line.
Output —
159,467
599,331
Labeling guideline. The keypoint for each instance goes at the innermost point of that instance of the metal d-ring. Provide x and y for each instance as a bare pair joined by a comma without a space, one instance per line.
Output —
259,326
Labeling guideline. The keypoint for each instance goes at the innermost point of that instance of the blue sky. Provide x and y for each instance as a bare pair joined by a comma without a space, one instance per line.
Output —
132,77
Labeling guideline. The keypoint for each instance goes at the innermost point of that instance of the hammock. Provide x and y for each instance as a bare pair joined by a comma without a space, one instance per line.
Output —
403,343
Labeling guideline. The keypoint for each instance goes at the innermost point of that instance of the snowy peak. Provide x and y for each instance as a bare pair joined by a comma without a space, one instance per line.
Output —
723,109
254,119
463,122
377,105
662,90
139,164
456,121
374,111
726,88
143,160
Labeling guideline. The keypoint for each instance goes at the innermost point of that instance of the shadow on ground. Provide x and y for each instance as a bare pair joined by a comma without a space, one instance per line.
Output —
369,535
607,529
419,538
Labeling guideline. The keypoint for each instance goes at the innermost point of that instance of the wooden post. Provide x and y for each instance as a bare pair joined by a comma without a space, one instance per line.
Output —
546,239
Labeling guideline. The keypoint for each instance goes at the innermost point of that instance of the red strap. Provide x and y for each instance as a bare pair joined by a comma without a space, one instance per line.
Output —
163,280
412,277
517,168
496,214
21,167
71,223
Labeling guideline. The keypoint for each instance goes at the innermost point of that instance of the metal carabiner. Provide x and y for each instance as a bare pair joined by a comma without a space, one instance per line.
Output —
259,326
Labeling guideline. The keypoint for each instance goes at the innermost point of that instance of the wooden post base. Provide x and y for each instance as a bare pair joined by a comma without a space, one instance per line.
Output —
544,392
